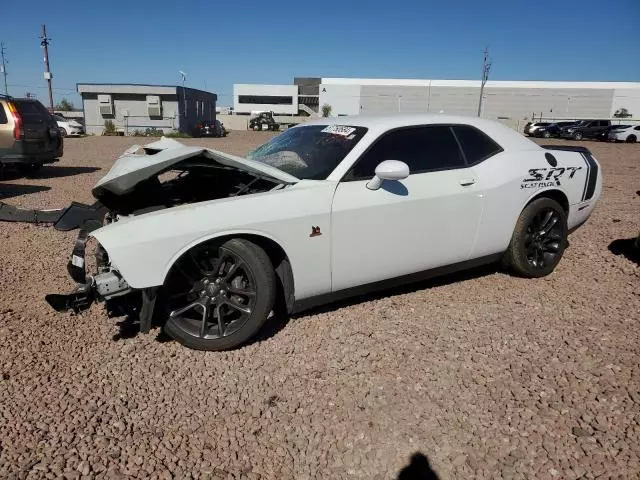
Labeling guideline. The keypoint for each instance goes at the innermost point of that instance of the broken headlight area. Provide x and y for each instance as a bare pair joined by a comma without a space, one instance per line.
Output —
105,284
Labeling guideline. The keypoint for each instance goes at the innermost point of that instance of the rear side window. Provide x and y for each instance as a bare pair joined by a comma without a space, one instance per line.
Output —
423,149
476,145
30,108
3,115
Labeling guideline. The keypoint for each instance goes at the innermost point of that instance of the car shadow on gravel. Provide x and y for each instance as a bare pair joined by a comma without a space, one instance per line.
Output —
56,171
628,248
8,190
129,327
418,469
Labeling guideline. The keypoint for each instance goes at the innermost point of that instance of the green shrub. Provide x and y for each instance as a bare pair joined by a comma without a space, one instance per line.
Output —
326,110
109,128
177,134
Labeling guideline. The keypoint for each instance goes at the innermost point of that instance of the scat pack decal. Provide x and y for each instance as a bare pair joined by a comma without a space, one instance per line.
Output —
548,177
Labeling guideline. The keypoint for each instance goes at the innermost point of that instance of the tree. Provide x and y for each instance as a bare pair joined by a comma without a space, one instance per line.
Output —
65,105
326,110
622,113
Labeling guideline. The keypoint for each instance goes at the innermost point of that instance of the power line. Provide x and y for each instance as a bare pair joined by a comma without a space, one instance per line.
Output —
24,85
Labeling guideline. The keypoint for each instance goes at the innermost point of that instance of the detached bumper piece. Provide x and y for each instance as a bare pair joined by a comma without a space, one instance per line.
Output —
77,301
74,216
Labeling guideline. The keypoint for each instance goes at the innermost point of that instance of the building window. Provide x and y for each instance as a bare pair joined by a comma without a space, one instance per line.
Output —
265,99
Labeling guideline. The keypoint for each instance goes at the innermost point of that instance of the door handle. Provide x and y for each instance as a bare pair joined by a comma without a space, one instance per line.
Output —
465,182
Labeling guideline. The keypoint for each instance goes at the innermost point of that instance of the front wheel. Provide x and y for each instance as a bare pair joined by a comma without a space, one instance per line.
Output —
219,296
539,239
63,132
546,134
631,139
577,136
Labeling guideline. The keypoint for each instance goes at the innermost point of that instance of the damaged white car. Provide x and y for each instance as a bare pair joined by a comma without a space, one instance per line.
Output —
210,244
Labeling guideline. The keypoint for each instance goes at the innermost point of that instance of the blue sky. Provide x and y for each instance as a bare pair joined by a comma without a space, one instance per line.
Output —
221,43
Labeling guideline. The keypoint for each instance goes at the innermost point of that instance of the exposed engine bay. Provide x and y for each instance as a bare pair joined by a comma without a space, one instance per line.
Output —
158,176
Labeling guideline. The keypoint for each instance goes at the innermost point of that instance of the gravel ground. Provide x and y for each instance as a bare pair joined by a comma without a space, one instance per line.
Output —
487,375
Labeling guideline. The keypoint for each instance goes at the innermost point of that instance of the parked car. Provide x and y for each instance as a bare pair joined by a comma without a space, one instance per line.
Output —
531,127
552,130
627,133
210,129
68,126
585,129
603,136
324,210
29,135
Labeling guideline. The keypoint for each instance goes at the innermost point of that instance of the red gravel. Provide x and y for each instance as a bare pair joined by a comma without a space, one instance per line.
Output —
488,375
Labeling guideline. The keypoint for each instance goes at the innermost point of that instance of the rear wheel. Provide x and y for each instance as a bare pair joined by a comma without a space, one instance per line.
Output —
546,134
539,239
631,139
577,136
219,296
63,132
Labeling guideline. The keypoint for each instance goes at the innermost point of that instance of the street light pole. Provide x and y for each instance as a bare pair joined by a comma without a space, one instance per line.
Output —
4,69
47,73
184,95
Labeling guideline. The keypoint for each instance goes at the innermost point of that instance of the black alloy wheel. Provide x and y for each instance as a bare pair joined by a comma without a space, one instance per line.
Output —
543,238
219,296
539,239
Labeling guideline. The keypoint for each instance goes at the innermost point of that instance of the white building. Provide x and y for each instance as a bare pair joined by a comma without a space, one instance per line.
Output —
505,100
512,102
281,99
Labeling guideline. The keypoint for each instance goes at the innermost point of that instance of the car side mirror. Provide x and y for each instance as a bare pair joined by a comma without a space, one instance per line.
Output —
388,170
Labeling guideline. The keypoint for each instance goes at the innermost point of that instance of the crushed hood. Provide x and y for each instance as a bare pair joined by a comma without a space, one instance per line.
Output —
138,163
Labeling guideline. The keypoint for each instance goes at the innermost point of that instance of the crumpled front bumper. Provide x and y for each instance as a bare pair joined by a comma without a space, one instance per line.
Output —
104,285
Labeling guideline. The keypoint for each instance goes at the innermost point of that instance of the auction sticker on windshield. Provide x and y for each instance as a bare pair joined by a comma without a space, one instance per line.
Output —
339,130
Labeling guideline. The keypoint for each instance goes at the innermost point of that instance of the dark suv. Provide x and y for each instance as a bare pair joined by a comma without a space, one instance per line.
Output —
585,129
552,129
29,135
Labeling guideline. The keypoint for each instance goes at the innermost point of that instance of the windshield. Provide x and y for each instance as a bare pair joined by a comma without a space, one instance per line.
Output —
310,152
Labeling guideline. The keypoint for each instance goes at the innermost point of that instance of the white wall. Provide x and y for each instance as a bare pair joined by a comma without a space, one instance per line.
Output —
266,90
344,99
626,98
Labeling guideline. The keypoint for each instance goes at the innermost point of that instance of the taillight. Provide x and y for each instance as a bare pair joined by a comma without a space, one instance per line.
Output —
17,119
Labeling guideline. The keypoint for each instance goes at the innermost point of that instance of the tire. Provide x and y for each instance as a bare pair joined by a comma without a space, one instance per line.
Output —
631,139
529,254
577,136
63,131
246,261
546,134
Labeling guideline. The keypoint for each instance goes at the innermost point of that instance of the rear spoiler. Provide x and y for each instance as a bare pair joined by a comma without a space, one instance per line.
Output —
568,148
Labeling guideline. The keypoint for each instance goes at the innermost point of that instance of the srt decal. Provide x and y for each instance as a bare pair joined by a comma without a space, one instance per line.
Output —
548,177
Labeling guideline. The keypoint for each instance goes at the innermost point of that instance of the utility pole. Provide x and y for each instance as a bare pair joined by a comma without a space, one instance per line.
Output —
47,74
486,66
4,68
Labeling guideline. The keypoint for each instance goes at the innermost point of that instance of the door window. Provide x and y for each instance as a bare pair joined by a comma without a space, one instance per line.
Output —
423,149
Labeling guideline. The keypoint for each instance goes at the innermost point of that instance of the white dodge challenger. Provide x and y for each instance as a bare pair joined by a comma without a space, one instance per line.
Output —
209,244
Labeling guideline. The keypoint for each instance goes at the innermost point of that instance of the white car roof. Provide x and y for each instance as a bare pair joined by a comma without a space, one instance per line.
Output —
508,138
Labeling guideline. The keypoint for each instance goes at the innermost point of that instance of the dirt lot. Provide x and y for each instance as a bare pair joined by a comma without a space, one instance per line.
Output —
487,375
